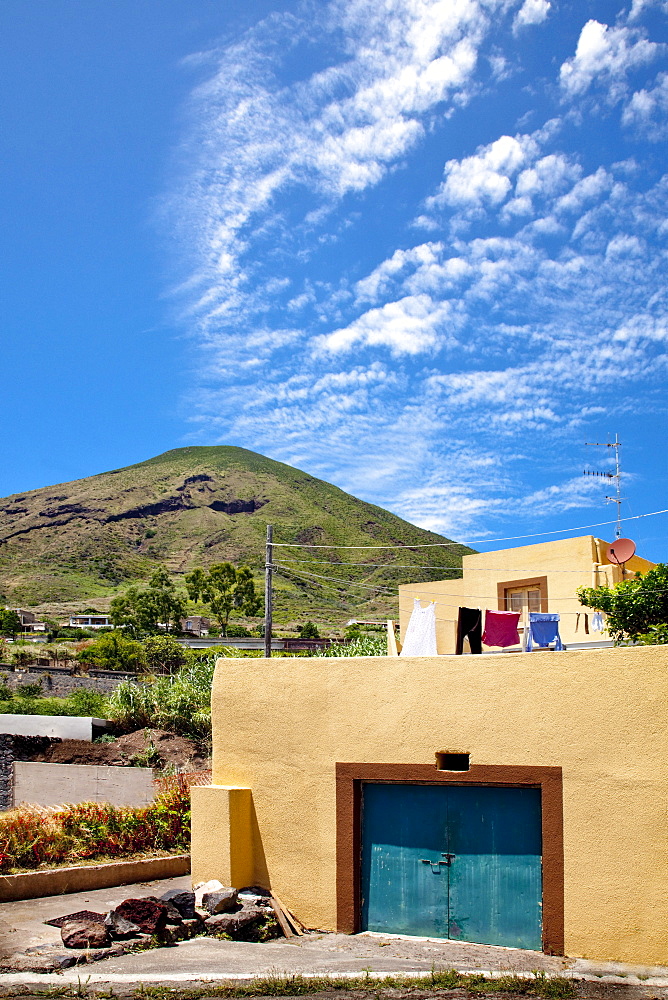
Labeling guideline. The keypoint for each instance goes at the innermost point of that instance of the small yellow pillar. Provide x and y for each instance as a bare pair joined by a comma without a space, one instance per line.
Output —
222,835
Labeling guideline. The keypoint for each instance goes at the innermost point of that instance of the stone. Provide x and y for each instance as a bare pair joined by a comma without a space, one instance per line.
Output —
182,900
147,912
84,934
190,926
221,923
249,915
222,901
173,915
235,925
213,885
119,927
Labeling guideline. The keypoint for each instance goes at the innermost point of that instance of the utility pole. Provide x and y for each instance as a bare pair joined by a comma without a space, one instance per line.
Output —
268,591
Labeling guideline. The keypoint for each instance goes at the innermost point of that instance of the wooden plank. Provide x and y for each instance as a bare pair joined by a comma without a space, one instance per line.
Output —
296,925
282,919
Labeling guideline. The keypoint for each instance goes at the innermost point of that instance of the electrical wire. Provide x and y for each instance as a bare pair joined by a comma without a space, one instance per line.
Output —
453,569
335,579
478,541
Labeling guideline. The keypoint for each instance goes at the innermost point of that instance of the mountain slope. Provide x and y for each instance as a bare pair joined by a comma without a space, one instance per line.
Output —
194,506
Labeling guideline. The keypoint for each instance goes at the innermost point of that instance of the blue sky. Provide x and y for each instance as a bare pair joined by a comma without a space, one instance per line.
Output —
415,247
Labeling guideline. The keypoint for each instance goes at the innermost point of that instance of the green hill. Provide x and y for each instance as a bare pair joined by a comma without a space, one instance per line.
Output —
69,544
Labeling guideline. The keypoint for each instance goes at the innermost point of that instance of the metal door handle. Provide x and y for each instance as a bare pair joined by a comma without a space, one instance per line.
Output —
435,865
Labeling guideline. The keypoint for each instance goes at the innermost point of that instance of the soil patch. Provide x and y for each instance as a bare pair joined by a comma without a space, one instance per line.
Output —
146,747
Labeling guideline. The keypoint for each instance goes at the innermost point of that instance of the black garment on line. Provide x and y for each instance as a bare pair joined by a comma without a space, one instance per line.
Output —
469,624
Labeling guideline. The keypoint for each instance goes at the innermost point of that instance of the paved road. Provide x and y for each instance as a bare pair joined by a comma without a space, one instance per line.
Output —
22,927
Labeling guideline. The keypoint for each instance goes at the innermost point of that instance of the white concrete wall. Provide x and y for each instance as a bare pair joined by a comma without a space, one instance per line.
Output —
58,784
67,727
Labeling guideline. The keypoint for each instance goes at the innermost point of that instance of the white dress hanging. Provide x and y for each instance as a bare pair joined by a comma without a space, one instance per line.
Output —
420,638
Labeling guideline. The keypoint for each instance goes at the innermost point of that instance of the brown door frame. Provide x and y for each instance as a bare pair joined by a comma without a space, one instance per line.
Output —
349,781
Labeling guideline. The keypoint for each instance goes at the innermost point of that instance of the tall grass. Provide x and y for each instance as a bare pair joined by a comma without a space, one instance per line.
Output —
365,645
180,703
31,837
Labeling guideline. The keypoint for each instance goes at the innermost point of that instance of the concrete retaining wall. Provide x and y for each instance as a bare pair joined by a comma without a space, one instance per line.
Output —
56,881
66,727
56,784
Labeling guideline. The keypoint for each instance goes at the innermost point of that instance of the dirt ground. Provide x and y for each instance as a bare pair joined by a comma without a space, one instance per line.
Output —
176,751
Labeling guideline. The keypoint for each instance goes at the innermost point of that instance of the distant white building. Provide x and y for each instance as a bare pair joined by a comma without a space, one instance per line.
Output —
90,621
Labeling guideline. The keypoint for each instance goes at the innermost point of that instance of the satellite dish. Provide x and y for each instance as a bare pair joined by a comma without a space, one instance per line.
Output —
621,551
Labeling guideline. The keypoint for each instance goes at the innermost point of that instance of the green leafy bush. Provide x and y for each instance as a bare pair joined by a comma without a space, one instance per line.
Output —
309,630
78,703
33,838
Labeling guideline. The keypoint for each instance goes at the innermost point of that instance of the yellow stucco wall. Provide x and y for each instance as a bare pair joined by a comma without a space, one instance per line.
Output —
281,725
567,563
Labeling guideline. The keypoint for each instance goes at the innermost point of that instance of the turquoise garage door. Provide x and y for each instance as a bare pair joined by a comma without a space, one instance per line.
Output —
453,861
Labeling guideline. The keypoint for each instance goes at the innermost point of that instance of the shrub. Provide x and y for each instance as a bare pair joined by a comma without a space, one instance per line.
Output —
164,654
113,651
309,630
365,645
31,837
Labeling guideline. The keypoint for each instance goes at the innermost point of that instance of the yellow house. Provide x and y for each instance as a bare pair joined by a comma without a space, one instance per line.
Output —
542,577
506,799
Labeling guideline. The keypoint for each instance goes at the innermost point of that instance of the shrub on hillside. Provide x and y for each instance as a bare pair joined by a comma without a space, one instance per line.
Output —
31,837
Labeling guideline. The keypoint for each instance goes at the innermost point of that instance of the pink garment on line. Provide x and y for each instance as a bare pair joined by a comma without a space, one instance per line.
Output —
501,628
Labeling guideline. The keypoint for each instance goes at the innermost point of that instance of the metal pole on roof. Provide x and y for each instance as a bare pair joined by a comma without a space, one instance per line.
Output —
268,596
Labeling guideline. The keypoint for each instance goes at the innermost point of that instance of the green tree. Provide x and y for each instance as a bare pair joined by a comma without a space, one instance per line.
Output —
143,611
633,607
164,654
225,588
114,651
309,630
10,622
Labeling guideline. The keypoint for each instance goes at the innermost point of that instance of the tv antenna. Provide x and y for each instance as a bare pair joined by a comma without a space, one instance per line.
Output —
615,477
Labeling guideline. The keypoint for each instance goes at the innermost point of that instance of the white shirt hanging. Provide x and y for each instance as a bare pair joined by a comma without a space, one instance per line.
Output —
597,623
420,638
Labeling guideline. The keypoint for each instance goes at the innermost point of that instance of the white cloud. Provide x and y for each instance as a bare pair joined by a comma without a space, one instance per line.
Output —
484,178
638,6
531,12
607,54
647,111
411,325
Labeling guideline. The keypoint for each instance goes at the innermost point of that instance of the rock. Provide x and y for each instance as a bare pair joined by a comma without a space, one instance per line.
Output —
221,923
255,890
190,926
147,912
84,934
119,927
183,901
222,901
236,925
213,885
169,935
249,915
173,915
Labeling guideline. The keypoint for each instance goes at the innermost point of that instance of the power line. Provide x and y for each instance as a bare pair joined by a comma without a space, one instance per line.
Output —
475,541
335,579
453,569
